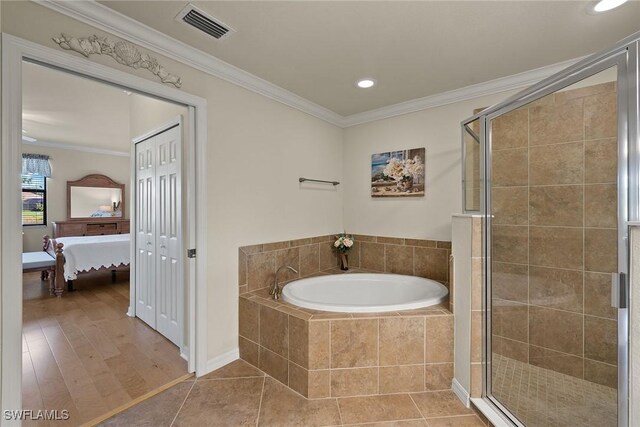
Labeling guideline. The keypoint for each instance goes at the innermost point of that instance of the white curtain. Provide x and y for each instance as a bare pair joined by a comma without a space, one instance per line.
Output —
36,164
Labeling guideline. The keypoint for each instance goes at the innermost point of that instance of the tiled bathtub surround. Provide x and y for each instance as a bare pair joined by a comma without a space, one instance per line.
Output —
310,256
321,354
554,233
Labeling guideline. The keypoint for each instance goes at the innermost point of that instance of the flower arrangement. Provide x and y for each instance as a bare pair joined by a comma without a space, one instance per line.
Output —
404,170
343,242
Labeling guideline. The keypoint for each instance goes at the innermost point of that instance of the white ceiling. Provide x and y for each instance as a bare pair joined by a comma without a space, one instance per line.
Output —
64,108
318,49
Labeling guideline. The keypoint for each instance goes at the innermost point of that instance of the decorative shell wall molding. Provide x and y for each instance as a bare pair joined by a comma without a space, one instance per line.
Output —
123,52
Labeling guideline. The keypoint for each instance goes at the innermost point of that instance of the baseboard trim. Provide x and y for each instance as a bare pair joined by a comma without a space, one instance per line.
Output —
135,401
222,360
462,394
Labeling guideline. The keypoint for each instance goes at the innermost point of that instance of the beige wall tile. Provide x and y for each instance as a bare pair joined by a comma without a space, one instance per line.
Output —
268,247
319,344
398,259
261,268
401,379
354,343
555,288
353,256
372,256
556,330
249,319
274,334
291,258
560,122
251,249
559,362
476,284
319,384
510,320
566,95
391,240
601,205
421,243
364,238
438,376
248,351
476,336
476,237
444,245
556,247
601,161
299,341
328,256
601,339
274,365
401,341
509,244
299,379
597,295
509,348
556,205
509,168
510,130
601,373
354,382
476,380
301,242
242,268
601,250
601,116
309,260
510,282
510,205
431,263
439,339
556,164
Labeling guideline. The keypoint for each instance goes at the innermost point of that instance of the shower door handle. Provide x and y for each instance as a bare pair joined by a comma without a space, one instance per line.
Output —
618,290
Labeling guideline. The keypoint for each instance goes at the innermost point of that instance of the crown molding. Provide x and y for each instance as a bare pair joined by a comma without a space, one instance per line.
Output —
124,27
491,87
111,21
75,147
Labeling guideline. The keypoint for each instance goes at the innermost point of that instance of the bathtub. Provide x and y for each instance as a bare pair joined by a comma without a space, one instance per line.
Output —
364,293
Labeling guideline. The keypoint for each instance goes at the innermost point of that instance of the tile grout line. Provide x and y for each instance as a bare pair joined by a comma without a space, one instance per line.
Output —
339,411
264,380
416,406
183,402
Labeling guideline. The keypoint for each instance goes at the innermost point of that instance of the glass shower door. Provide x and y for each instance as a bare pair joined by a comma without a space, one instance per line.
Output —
555,218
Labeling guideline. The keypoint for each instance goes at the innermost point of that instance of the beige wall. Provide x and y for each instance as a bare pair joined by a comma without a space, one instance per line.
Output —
70,165
257,149
428,217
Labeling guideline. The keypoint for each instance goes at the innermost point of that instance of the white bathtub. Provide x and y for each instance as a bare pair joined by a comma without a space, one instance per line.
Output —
364,293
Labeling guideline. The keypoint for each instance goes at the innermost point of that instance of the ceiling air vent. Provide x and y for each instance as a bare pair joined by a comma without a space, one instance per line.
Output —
199,19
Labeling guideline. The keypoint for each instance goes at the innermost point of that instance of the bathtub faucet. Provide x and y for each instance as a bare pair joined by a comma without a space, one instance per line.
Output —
276,290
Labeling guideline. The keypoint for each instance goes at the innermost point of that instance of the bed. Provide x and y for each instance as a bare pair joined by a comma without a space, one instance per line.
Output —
78,254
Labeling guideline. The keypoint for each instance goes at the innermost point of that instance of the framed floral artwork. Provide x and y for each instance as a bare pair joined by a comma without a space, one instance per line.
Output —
398,173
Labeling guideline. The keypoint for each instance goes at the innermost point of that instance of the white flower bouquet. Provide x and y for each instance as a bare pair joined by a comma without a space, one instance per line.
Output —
343,242
404,170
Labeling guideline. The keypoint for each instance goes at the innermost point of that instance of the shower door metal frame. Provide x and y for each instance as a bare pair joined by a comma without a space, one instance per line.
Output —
625,56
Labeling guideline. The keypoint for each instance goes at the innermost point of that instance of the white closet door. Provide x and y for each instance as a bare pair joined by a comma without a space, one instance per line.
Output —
170,293
145,233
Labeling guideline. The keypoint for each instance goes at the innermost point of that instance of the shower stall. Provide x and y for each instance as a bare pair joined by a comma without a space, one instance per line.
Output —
554,172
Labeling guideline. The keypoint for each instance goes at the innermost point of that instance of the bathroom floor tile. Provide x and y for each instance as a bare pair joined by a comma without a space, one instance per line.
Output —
465,421
283,407
434,404
370,409
236,369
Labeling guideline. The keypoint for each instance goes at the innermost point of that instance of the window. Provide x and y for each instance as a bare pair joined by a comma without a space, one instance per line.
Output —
34,200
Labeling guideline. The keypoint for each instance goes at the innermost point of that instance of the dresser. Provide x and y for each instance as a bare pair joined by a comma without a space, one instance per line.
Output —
90,228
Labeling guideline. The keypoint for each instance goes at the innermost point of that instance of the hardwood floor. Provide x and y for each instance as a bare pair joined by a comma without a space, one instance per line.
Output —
83,353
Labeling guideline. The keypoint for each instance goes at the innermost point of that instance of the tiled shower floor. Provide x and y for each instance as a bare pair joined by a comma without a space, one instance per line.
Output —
543,398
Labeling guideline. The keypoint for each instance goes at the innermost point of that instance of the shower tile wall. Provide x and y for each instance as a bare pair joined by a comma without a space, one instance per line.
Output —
554,233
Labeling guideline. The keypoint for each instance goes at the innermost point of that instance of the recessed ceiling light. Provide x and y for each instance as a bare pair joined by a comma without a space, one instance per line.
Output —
604,5
28,138
366,83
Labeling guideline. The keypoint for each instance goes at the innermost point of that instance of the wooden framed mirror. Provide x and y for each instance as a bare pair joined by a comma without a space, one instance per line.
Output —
95,197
